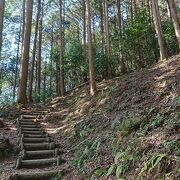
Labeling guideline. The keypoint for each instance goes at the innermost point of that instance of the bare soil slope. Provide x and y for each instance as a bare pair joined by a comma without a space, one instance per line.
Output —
129,129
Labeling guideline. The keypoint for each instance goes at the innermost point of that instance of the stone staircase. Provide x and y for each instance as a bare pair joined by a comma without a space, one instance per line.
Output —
36,150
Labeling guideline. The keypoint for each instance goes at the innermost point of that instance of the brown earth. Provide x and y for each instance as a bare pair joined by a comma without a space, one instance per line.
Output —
90,131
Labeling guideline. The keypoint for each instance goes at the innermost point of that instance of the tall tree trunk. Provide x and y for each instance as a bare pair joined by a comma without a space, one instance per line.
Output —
102,23
22,96
23,23
62,85
51,58
118,15
119,27
39,52
17,63
107,42
91,55
34,54
44,88
173,13
2,6
159,32
84,73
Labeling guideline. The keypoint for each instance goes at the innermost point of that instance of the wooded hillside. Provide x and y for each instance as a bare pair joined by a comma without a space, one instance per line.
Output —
89,89
50,47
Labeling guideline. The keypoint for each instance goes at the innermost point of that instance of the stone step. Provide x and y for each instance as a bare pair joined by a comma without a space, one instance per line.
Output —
34,135
27,120
28,123
36,175
39,153
31,129
30,116
37,162
35,140
30,126
32,132
37,146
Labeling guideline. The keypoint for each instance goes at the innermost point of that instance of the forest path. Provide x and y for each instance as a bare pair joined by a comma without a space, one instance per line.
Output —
36,150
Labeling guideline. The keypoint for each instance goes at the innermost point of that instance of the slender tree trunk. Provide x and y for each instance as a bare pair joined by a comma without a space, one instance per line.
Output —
36,79
102,24
159,32
119,27
39,53
62,85
17,63
34,53
118,15
44,88
91,55
2,6
23,23
135,8
51,58
22,97
107,43
84,73
175,20
94,29
131,11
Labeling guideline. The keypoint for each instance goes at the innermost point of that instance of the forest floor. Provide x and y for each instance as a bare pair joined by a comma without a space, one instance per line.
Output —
129,129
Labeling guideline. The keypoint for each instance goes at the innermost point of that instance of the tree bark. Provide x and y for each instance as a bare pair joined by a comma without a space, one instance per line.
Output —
174,17
17,62
62,85
45,77
39,53
102,23
159,32
34,53
107,42
51,58
22,96
91,55
84,40
23,23
2,6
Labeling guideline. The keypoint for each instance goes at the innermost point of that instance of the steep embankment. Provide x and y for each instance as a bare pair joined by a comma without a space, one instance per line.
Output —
130,129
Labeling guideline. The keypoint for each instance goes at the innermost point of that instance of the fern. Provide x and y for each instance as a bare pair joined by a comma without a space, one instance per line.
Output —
152,163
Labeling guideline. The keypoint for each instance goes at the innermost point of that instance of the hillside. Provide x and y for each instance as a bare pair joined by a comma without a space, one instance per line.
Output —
129,129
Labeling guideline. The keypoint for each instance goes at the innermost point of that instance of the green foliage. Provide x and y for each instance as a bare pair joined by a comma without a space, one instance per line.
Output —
121,164
140,35
178,100
121,169
91,149
170,37
59,176
99,172
157,121
173,146
150,111
152,163
85,132
130,124
111,170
